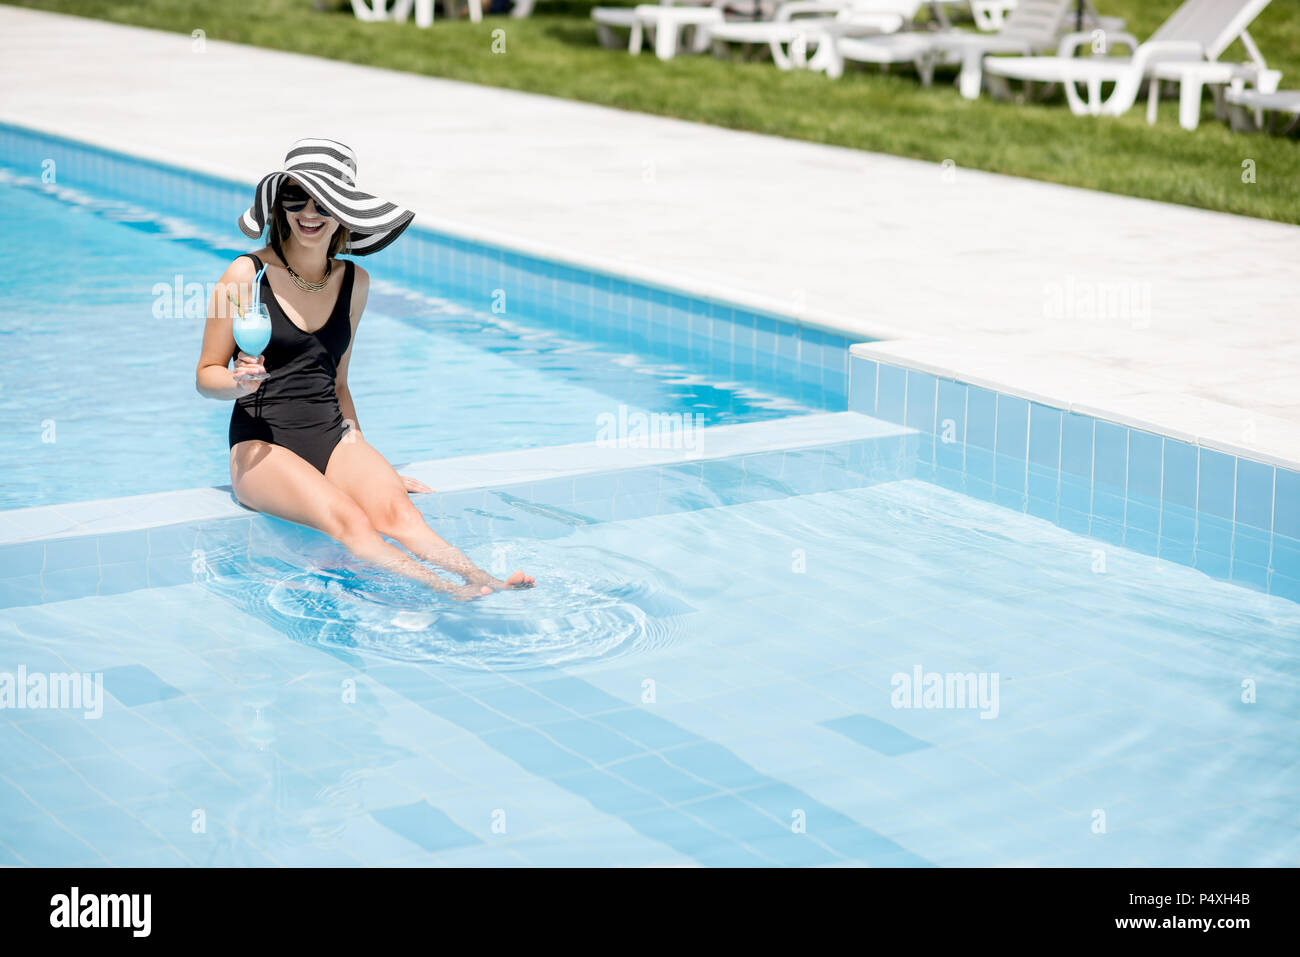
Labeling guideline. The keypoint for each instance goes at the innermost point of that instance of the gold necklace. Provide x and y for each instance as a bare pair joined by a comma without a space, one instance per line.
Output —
311,286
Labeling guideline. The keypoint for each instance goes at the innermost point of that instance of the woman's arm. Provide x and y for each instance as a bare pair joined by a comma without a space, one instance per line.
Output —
360,291
214,378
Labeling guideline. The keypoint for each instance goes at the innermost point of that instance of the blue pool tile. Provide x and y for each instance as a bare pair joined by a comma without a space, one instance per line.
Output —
712,762
608,794
1107,529
1145,463
1254,499
875,734
601,485
1286,503
1286,555
169,571
1108,505
653,774
21,560
1044,437
578,696
692,838
21,590
124,577
592,740
1177,523
1212,563
979,465
1284,586
1076,446
1214,535
1141,540
47,846
1076,493
976,485
1110,457
553,492
110,830
425,826
72,553
1217,484
981,420
534,753
136,685
1249,574
950,424
22,751
523,705
1039,502
1252,546
1009,472
921,388
1012,427
1180,473
774,839
650,730
469,714
891,393
172,540
1140,516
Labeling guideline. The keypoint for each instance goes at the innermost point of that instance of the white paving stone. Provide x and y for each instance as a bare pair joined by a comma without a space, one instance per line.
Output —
970,271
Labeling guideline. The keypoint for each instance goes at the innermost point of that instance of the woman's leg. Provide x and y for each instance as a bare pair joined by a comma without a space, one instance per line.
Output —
273,480
367,478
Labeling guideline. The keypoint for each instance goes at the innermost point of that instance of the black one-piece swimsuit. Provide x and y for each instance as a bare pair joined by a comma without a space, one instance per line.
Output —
296,406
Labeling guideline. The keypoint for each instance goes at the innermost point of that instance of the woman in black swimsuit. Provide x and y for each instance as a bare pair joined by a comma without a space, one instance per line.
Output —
296,450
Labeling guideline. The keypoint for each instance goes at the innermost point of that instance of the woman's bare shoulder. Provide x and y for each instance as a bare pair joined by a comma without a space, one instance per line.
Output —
242,268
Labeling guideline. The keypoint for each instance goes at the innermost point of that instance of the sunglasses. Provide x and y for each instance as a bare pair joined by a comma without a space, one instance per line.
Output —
294,198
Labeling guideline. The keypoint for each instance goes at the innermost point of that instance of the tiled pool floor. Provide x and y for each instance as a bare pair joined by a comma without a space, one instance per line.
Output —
760,701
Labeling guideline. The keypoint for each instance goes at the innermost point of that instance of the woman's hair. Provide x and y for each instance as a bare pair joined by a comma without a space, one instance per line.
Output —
279,231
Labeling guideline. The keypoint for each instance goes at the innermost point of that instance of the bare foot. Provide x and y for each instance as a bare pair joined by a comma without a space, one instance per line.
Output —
519,580
470,592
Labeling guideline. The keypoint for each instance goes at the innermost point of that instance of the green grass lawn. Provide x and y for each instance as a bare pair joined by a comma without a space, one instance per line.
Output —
555,52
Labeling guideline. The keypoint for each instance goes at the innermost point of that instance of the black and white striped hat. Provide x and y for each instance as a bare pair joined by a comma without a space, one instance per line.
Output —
327,171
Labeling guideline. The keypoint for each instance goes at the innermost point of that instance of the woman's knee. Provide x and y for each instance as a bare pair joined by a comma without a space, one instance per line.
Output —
396,517
348,523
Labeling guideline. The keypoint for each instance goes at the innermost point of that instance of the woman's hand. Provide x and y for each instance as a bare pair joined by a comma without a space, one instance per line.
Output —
246,365
414,485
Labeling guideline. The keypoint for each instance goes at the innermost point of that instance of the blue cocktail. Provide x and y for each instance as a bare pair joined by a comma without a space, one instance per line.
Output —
253,332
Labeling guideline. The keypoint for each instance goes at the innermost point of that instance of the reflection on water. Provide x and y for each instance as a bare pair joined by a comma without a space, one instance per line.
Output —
589,604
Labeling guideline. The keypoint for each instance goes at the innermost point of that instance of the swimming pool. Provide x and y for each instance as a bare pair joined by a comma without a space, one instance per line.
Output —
104,302
914,633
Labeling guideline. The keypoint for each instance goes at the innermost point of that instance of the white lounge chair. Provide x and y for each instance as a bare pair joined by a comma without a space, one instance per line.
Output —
1033,26
608,20
801,25
668,22
989,14
1199,30
373,11
1247,108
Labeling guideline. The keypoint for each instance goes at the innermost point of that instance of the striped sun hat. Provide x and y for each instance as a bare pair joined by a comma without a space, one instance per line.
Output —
327,171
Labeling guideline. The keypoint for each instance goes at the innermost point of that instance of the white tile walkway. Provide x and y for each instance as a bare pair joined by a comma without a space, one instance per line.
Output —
991,278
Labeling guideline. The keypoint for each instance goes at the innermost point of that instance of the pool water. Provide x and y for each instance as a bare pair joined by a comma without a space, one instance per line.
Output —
99,374
797,644
711,680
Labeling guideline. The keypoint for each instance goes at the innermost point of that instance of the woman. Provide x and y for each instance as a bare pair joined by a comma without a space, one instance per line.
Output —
296,450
